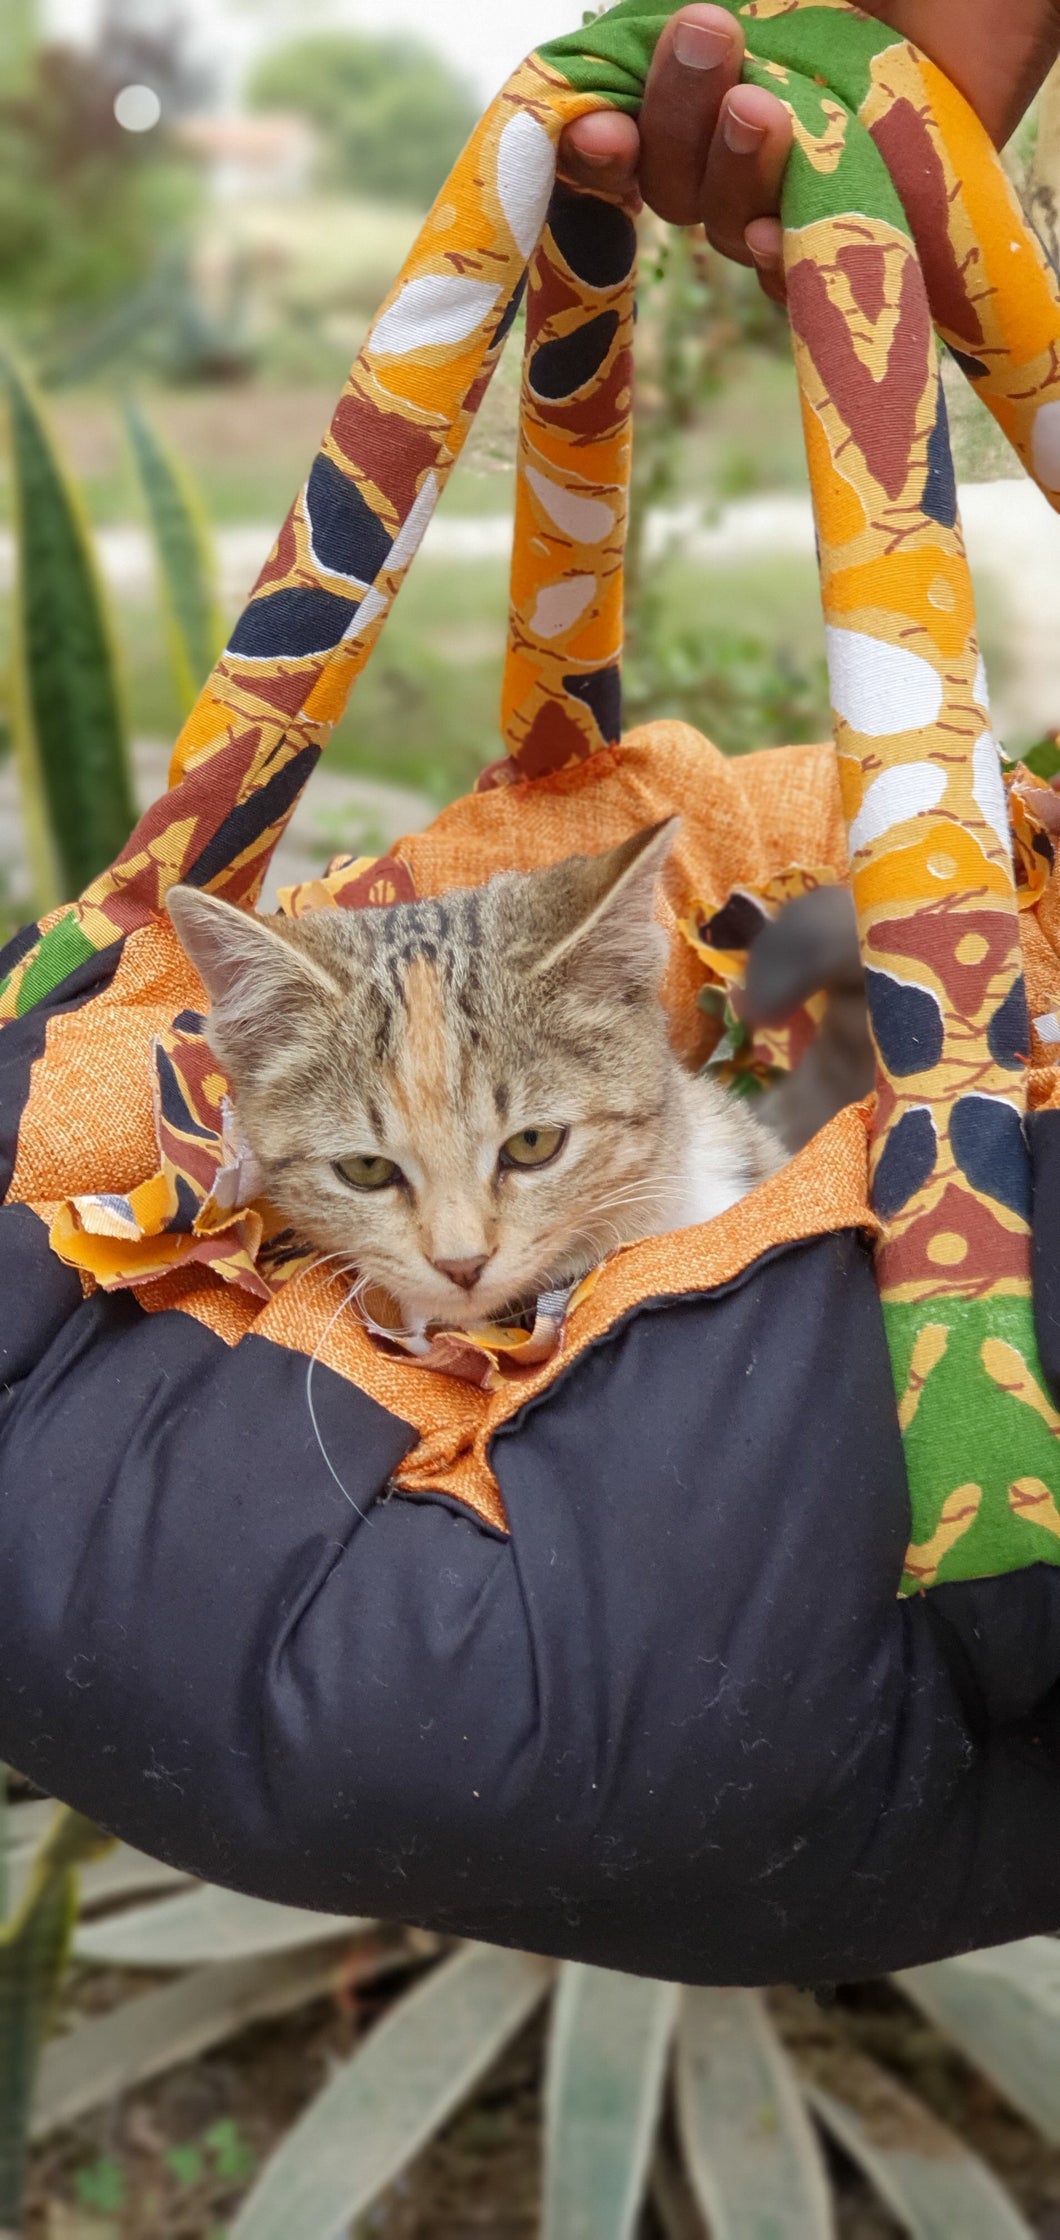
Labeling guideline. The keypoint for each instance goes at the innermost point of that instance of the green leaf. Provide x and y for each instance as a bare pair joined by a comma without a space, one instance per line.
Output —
186,568
608,2053
146,2037
207,1924
33,1951
752,2156
1043,759
232,2158
1002,2008
69,730
185,2164
919,2168
371,2121
101,2186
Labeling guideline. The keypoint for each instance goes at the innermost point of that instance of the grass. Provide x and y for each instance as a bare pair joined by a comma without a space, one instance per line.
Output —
248,447
425,714
426,711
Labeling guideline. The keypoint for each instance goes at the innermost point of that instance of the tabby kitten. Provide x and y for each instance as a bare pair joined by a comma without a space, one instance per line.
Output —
471,1100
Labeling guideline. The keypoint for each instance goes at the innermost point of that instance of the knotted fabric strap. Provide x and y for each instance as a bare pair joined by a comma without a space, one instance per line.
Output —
886,156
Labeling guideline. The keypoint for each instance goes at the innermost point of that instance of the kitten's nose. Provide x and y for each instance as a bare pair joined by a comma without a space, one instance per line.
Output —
464,1272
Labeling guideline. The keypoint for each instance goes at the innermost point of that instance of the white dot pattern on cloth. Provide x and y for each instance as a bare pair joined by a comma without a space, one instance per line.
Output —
880,689
561,605
434,313
895,797
526,175
587,520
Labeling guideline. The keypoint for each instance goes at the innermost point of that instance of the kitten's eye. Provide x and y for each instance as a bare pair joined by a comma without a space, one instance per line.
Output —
533,1147
368,1172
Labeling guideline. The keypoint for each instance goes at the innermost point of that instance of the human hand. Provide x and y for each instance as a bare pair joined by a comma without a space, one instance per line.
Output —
710,150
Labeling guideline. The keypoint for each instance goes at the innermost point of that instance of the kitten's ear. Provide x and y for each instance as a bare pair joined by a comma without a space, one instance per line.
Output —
250,972
604,927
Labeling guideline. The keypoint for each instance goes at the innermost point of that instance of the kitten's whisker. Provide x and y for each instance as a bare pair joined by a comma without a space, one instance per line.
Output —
319,1260
318,1350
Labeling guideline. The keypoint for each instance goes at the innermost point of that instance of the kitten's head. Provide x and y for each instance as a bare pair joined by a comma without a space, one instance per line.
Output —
468,1100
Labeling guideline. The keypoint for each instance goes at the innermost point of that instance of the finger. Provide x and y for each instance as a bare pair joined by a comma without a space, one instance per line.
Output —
745,169
697,63
601,152
765,239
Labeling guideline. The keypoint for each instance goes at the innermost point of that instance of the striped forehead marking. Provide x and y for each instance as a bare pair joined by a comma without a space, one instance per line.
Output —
420,1076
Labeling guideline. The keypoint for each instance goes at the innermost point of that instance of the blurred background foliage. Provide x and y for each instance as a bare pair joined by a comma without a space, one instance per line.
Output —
86,206
222,266
390,117
178,305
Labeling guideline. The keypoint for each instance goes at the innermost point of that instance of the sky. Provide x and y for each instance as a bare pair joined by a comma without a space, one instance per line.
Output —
484,38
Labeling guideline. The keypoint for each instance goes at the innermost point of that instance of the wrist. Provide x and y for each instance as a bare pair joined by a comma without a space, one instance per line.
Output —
999,71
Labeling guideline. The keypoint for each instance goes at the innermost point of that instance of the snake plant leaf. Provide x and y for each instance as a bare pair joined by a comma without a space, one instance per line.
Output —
377,2112
207,1924
1002,2008
186,566
69,730
608,2053
33,1951
751,2152
919,2168
146,2037
33,1946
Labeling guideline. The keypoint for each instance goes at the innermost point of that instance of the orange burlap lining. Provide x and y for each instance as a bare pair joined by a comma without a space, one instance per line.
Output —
88,1122
740,821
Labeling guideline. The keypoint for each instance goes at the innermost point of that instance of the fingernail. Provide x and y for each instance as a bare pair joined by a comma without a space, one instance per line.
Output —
597,158
740,135
699,47
766,260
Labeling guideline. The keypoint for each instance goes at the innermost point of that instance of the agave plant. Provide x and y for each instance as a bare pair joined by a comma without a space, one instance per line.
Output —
751,2100
754,2084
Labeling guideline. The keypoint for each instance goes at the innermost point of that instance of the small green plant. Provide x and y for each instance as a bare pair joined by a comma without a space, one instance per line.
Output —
222,2153
100,2186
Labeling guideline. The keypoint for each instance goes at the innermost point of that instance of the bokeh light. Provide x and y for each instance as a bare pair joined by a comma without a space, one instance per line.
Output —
137,108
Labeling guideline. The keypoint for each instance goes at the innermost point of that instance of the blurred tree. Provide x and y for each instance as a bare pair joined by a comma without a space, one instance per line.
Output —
84,205
391,115
18,41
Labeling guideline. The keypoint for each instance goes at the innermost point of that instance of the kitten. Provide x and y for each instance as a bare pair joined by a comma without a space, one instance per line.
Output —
472,1099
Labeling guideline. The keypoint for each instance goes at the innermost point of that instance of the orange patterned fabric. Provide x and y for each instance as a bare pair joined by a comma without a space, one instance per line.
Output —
89,1126
741,821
